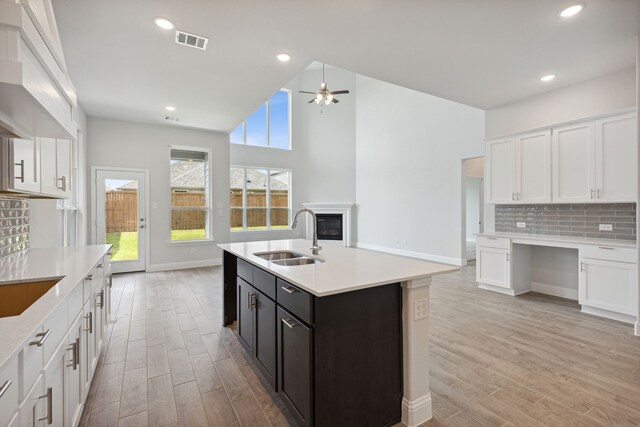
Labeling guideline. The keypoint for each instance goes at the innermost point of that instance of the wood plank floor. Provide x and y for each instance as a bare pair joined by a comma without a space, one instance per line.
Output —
496,360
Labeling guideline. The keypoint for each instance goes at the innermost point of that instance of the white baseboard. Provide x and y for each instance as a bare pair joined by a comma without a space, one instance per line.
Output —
411,254
610,315
498,289
556,291
184,265
417,411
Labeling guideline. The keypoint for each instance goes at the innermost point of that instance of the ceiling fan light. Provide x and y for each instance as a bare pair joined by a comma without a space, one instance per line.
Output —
329,98
317,100
327,101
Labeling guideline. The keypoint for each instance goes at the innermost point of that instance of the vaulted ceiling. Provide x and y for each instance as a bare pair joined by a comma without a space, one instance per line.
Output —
481,53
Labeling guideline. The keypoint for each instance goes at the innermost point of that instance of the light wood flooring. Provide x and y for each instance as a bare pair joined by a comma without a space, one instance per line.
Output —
496,360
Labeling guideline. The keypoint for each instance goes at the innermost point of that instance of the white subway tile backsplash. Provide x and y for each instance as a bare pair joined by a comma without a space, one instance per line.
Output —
14,225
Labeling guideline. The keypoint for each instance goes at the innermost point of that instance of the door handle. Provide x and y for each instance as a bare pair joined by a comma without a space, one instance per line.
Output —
141,225
21,164
289,323
49,397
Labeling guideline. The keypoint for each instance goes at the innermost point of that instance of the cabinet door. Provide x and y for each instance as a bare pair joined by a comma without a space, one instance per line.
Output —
265,327
533,167
73,379
500,161
494,267
609,285
54,382
616,159
246,294
88,342
48,168
295,355
63,166
33,412
99,322
26,167
573,160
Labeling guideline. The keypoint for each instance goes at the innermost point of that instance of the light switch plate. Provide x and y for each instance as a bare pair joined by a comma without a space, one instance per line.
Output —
606,227
521,224
421,309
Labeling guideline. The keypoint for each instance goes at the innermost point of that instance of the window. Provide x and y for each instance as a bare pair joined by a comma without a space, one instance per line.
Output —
190,194
260,199
268,126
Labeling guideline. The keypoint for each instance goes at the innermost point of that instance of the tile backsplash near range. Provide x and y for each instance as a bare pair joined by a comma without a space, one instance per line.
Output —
579,220
14,225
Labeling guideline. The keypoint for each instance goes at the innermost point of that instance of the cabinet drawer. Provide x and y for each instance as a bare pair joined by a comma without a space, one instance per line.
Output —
245,270
264,282
57,323
8,390
610,253
295,300
30,362
494,242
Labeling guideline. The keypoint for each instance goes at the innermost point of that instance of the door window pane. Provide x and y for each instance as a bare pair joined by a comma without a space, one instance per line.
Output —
257,127
121,216
279,120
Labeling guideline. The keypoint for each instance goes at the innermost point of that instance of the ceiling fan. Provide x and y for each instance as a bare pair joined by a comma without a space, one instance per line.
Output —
323,95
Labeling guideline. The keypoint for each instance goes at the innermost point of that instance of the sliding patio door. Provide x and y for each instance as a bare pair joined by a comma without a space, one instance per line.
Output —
121,217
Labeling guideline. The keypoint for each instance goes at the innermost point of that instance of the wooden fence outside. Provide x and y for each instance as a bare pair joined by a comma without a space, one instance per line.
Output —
122,210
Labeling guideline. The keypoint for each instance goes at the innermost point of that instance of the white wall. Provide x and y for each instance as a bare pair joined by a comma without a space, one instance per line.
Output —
597,96
322,158
142,146
409,151
472,194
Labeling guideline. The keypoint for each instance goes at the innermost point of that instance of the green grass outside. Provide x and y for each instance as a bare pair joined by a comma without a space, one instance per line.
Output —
125,245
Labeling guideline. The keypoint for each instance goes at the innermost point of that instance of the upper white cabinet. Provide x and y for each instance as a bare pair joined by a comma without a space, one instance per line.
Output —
533,169
55,169
573,163
36,95
616,159
593,161
500,164
519,169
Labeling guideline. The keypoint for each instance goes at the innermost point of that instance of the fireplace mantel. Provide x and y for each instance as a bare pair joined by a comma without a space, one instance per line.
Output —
333,208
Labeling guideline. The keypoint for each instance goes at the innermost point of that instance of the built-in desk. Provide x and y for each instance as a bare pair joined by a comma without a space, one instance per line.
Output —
600,274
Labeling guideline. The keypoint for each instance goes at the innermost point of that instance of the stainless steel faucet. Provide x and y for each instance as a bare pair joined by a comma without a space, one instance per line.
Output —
315,248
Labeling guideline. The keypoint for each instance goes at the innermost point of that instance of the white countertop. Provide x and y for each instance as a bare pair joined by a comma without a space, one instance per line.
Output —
563,240
70,264
345,269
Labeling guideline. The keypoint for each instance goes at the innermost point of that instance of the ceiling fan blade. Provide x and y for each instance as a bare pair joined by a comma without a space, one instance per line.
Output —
339,92
335,101
313,100
304,91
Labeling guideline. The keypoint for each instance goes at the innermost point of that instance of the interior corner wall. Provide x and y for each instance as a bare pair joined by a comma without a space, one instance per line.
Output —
322,157
115,143
409,151
601,95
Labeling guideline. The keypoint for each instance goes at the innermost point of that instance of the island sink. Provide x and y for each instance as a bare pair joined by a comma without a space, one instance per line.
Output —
15,298
298,261
278,255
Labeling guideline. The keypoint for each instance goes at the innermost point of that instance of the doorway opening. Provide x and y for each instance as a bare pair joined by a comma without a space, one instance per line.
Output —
472,206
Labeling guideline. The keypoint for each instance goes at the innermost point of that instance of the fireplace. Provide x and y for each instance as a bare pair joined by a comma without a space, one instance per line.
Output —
329,226
333,221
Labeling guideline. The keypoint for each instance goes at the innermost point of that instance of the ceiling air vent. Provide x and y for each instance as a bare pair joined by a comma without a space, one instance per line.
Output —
191,40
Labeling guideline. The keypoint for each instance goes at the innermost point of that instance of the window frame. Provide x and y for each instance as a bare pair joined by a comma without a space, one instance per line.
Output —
268,126
268,197
208,197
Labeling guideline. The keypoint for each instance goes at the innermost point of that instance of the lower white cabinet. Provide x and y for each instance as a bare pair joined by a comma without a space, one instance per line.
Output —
8,390
493,267
608,285
73,381
54,383
33,411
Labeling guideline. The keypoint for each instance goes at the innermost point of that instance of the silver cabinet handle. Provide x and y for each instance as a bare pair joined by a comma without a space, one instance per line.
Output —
43,337
90,317
607,248
21,164
513,196
592,193
49,397
109,281
74,349
63,186
5,387
90,277
581,266
289,323
492,238
289,289
99,266
598,193
101,296
507,253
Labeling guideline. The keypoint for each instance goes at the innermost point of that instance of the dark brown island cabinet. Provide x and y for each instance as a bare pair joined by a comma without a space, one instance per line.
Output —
334,360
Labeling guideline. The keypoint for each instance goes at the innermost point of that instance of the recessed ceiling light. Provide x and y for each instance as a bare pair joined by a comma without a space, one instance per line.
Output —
571,10
548,77
170,108
283,57
165,24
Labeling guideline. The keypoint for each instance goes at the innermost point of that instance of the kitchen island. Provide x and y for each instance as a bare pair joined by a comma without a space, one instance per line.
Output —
342,336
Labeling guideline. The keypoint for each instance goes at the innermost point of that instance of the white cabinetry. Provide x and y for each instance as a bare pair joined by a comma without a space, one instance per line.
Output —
573,163
500,165
55,167
73,379
54,382
616,159
8,390
533,167
34,408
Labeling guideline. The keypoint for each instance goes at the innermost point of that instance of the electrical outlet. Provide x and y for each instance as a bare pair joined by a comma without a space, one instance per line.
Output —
421,309
606,227
521,224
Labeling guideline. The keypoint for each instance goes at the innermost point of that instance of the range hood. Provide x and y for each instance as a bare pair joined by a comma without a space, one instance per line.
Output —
37,98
